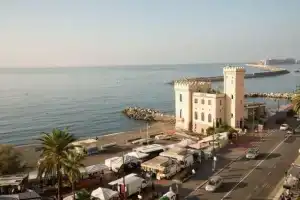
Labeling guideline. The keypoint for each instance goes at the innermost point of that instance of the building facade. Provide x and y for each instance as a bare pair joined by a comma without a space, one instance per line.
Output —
198,106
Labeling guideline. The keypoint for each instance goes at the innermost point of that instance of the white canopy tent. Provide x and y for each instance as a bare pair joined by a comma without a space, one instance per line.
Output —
138,155
29,194
95,168
70,197
104,193
185,143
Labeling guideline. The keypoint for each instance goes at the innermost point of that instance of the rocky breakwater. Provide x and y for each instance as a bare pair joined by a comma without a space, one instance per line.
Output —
275,95
147,114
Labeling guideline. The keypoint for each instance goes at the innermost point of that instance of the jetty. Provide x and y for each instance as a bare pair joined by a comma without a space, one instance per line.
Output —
147,114
271,95
269,72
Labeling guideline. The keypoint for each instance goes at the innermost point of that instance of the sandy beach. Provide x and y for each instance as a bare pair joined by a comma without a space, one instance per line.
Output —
31,156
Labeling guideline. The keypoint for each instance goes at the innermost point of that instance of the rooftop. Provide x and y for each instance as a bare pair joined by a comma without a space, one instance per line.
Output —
157,161
149,148
12,179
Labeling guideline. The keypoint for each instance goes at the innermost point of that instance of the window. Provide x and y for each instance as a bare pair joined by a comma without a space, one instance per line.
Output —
202,116
202,130
180,113
209,117
196,115
180,97
231,115
195,100
209,102
220,102
231,96
220,120
202,101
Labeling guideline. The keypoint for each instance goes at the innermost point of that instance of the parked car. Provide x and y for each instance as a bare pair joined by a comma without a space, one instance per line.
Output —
284,127
252,153
290,131
213,183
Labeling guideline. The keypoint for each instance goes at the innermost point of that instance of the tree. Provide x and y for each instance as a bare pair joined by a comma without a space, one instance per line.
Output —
83,195
210,130
296,103
71,167
9,160
56,147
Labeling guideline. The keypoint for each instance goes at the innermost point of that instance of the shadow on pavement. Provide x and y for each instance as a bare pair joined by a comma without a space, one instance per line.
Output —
232,176
291,139
227,186
265,156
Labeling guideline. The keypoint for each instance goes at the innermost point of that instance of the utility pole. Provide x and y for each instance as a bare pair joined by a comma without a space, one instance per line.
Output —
214,154
253,118
147,133
124,185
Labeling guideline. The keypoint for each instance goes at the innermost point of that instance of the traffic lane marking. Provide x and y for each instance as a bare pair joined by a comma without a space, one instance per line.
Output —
259,163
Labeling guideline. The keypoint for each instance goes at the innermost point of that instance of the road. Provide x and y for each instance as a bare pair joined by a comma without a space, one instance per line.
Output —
255,179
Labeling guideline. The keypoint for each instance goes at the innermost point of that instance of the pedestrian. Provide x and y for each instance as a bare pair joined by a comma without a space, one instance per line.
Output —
285,173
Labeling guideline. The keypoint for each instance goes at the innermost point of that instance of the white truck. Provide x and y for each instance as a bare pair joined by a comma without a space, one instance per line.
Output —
133,184
116,163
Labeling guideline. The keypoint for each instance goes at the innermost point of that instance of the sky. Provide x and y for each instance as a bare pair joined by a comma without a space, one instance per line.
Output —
43,33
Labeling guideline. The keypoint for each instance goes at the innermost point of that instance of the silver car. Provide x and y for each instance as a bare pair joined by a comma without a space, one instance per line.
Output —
252,153
213,183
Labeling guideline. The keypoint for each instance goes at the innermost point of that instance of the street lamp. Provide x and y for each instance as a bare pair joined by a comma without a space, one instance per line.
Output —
214,154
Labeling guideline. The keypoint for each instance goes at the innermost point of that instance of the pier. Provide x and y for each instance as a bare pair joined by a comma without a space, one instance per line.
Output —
271,95
270,71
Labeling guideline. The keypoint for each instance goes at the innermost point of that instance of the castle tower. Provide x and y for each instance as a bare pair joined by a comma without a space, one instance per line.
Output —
234,90
184,90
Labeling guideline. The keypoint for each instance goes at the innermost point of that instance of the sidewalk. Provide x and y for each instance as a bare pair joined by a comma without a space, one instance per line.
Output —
278,190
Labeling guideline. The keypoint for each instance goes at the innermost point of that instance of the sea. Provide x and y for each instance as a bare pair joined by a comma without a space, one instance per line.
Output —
89,100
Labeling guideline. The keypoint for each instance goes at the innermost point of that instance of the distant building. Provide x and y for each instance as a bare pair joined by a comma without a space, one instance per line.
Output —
198,106
287,61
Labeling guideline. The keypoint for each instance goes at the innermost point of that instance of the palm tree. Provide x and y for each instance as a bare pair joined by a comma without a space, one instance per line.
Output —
296,102
72,167
56,146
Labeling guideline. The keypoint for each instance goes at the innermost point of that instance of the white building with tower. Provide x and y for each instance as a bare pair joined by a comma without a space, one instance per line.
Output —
198,106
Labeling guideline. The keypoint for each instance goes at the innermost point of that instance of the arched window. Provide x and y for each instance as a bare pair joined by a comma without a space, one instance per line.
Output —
196,115
209,117
202,116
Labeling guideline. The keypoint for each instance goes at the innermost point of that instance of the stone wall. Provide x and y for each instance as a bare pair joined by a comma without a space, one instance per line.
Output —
147,114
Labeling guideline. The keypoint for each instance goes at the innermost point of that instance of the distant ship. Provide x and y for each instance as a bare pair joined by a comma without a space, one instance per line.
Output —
286,61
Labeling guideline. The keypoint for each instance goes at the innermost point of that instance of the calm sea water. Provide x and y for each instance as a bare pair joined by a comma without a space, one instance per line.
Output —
89,100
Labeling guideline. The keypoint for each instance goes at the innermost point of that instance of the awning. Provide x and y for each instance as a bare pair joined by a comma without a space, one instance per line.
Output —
95,168
138,155
104,193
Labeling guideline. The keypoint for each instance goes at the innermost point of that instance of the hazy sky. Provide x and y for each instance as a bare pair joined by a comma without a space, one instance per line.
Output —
41,33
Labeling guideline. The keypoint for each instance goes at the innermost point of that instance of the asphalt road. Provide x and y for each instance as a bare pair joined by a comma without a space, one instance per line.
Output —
255,179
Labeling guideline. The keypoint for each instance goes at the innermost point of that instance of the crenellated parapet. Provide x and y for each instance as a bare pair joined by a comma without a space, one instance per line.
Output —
191,85
233,69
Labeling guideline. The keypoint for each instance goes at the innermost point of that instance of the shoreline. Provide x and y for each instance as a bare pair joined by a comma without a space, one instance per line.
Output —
30,155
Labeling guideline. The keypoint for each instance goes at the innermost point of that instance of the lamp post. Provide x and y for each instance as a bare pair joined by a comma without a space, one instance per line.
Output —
124,186
214,154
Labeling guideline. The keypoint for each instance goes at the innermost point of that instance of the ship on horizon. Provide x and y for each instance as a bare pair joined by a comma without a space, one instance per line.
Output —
286,61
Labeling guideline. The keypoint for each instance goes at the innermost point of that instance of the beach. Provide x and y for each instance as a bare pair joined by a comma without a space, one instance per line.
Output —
31,156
